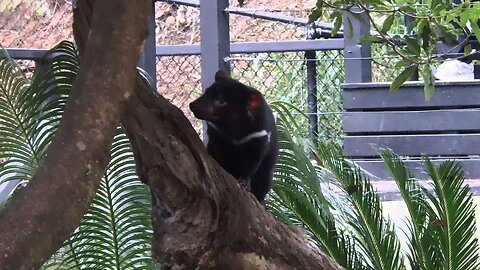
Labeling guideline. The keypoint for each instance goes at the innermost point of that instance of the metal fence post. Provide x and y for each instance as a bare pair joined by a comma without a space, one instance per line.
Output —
312,102
148,60
214,42
358,66
215,39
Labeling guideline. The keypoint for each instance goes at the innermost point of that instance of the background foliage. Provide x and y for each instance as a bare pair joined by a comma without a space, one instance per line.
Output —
416,45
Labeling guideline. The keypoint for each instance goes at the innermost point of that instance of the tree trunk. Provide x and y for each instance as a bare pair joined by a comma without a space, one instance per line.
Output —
42,215
201,218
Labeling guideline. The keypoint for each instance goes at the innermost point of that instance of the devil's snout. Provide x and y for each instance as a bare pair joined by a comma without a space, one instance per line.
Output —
193,105
199,109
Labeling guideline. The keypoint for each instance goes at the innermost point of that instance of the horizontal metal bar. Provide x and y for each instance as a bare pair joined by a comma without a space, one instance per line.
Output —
287,46
376,96
377,168
413,145
26,54
412,122
235,48
257,47
178,50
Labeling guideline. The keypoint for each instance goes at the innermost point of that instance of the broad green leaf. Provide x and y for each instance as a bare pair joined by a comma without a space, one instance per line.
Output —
475,10
423,33
464,16
402,63
336,16
422,24
445,34
349,27
379,3
429,82
369,38
467,49
436,5
315,15
475,28
413,45
387,24
402,77
316,12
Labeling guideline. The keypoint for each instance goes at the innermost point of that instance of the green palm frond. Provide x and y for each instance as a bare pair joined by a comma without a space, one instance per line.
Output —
298,198
29,113
51,87
375,233
116,231
424,237
15,145
452,206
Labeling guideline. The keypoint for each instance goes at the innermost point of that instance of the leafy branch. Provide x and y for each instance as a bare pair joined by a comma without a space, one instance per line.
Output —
415,44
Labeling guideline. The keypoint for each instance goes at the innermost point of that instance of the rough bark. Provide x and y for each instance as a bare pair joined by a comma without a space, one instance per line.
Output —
202,219
43,214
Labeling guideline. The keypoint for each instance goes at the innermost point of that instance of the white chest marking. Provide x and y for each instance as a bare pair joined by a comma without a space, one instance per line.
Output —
254,135
249,137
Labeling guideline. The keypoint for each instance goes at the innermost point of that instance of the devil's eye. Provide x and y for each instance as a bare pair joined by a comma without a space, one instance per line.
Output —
220,101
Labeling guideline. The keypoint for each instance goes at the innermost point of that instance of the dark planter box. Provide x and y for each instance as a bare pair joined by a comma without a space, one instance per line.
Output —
446,127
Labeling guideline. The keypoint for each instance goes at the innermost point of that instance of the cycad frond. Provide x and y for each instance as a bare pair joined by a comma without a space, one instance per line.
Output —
116,231
453,207
376,235
424,238
16,146
51,87
29,113
299,200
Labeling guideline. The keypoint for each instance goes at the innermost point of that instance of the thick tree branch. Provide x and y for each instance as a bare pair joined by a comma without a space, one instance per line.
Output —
43,214
201,218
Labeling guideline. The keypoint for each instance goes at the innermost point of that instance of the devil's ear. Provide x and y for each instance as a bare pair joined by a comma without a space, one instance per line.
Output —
221,75
254,100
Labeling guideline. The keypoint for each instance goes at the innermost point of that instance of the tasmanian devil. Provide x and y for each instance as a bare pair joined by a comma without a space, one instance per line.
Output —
242,135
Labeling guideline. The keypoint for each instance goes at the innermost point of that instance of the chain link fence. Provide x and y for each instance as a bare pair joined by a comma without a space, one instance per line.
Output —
41,24
383,65
243,28
179,80
279,76
34,24
283,77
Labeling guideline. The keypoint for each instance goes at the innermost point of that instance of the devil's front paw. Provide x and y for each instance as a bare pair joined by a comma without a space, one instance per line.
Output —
244,183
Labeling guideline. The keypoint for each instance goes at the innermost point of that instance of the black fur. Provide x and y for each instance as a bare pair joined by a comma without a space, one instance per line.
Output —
233,112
